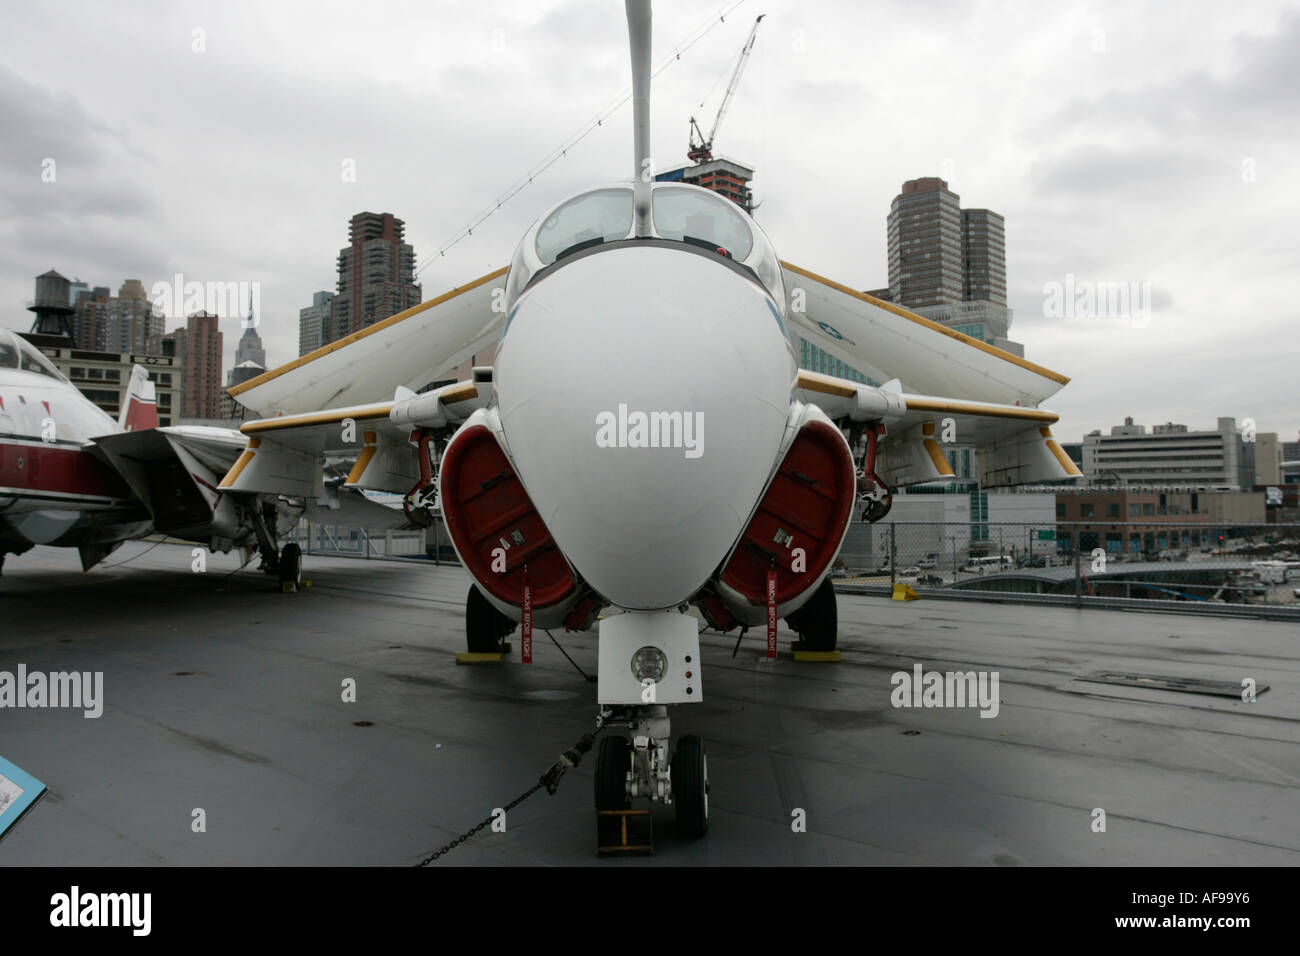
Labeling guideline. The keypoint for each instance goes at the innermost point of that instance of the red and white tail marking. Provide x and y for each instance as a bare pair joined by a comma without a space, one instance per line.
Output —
140,410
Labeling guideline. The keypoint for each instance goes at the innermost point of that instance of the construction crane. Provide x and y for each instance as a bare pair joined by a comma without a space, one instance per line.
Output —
701,149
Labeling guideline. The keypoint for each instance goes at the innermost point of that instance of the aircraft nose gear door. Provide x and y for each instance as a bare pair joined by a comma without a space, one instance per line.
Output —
873,494
421,502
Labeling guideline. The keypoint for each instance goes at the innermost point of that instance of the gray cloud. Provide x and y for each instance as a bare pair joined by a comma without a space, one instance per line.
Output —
225,165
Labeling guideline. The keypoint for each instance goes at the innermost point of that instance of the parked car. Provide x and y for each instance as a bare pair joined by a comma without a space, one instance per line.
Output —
910,572
928,563
936,580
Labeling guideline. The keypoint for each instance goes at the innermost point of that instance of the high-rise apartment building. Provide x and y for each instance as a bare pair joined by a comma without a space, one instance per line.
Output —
131,319
376,274
90,321
314,323
949,264
983,256
118,324
925,244
198,349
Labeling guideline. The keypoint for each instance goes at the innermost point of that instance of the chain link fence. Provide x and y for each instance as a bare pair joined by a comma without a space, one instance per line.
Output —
1141,561
1191,566
430,543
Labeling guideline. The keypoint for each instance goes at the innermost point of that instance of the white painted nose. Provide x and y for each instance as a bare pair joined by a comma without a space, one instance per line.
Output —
643,393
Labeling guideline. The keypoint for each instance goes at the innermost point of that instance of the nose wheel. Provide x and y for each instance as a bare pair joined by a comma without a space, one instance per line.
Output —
636,764
691,787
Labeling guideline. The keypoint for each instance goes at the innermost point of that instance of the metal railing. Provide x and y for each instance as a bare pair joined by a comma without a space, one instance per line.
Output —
1201,563
1242,568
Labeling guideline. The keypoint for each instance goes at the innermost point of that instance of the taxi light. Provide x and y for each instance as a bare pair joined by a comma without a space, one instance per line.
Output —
649,663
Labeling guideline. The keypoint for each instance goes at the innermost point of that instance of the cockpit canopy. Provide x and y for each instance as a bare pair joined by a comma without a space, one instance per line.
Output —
679,212
17,353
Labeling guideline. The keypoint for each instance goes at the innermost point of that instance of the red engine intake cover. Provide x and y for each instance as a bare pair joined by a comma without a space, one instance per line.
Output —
486,508
807,506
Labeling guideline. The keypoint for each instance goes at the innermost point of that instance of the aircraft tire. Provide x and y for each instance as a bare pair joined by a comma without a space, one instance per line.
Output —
879,509
691,787
290,567
816,622
613,760
485,626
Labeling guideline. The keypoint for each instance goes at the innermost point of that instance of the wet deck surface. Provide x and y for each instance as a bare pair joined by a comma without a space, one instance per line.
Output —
224,694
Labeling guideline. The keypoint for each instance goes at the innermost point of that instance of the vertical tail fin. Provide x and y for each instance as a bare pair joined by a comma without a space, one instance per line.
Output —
140,409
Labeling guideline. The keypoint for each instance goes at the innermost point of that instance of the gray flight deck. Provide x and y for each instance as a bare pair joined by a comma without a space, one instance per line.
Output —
224,694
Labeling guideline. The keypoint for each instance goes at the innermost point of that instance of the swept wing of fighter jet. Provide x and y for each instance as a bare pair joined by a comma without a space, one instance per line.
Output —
71,476
645,441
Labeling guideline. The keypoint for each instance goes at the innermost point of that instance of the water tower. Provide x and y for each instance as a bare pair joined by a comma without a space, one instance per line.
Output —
52,308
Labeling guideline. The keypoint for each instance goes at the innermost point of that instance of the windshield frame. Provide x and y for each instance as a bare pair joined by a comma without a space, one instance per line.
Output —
760,262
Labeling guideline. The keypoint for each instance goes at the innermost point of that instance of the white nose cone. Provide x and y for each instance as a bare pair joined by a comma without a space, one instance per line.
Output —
643,392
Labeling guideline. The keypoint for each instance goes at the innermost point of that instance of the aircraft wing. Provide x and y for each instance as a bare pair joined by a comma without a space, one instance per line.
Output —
287,455
1015,442
410,350
885,341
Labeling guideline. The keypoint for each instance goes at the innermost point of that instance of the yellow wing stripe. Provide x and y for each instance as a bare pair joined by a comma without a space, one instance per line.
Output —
240,464
363,460
816,382
357,336
917,404
936,456
919,320
1065,460
459,393
334,417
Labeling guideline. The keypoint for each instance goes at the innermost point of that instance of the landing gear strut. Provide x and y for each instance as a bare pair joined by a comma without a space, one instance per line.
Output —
421,503
285,565
873,493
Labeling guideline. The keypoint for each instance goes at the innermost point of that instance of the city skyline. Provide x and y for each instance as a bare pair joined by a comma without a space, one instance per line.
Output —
1119,148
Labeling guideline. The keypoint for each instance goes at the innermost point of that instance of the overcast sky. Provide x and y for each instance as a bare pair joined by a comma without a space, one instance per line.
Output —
1123,142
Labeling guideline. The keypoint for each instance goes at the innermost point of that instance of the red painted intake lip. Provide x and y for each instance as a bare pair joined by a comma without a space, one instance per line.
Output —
486,508
810,500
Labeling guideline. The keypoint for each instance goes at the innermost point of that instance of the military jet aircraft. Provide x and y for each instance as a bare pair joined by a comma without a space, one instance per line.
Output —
645,442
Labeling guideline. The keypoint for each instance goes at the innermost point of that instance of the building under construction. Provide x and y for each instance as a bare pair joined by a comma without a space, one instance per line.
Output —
720,174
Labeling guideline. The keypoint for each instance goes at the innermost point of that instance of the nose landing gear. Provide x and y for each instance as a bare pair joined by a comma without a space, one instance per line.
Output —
649,660
636,764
